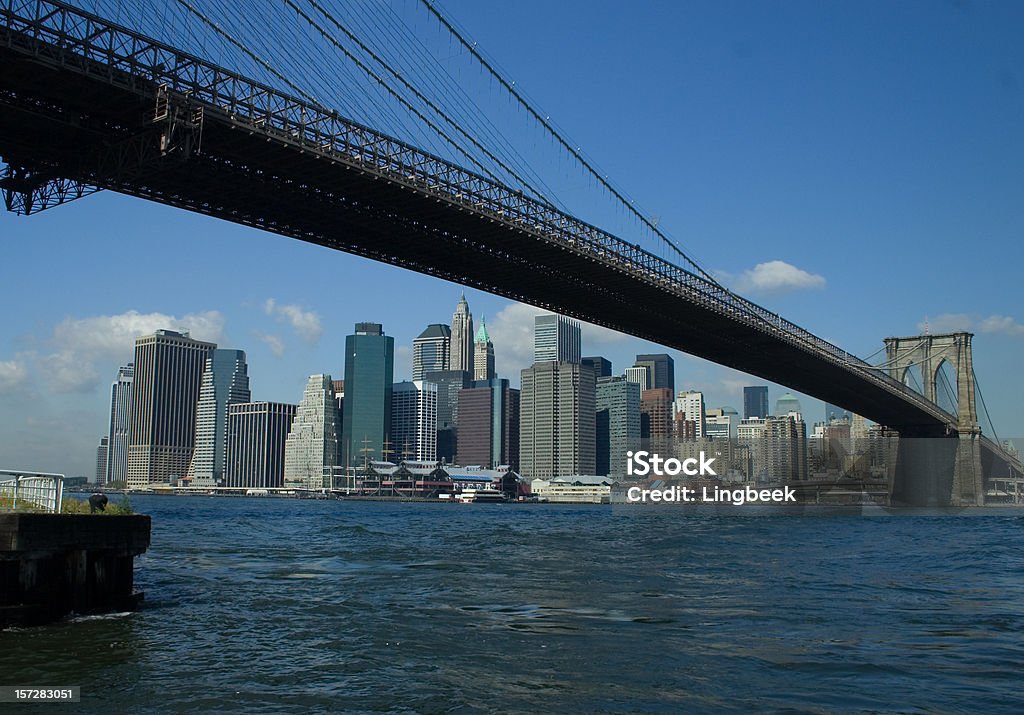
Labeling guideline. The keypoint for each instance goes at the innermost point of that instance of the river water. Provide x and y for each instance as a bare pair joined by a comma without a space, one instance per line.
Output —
282,606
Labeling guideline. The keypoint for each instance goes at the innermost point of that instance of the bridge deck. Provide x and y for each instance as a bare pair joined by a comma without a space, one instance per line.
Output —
78,100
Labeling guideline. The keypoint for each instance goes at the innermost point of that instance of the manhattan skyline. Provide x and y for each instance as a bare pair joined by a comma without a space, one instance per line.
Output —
833,179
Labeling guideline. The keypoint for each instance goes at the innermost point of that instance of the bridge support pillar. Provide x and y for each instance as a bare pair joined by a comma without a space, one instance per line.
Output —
968,477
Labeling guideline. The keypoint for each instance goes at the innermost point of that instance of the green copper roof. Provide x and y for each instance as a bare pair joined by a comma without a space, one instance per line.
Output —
481,334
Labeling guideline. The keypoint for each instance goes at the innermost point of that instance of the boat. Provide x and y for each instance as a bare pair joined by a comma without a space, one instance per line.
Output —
481,496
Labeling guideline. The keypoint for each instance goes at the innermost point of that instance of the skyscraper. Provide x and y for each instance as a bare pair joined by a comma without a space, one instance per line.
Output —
661,370
312,442
431,350
448,382
834,412
602,367
786,404
617,424
690,405
489,433
369,376
483,354
414,420
755,402
556,338
640,375
257,435
462,338
102,452
225,382
656,416
557,420
161,436
119,424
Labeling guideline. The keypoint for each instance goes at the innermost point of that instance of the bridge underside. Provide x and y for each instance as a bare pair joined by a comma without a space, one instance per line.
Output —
59,124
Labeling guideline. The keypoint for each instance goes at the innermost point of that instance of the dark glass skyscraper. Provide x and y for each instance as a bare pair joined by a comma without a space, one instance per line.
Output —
369,376
755,402
601,366
661,368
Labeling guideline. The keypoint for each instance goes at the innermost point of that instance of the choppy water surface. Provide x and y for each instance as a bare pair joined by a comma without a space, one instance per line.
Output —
274,606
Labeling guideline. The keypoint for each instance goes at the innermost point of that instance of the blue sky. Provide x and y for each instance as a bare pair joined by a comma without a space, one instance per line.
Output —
855,167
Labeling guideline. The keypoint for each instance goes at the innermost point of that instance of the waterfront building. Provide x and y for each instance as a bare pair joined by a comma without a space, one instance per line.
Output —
488,433
165,390
661,370
574,489
617,424
448,382
483,354
256,439
102,452
601,366
640,375
431,350
557,420
461,357
119,425
312,443
414,420
369,376
225,382
785,449
755,401
556,338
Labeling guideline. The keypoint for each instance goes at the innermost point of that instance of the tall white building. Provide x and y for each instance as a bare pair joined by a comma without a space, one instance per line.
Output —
640,375
461,357
119,424
557,420
556,338
483,354
414,420
312,442
690,404
225,382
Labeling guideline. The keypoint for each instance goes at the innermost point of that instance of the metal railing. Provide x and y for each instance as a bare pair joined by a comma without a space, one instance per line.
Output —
31,491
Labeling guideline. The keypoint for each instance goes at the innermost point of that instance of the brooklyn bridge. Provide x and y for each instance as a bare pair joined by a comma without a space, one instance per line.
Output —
90,104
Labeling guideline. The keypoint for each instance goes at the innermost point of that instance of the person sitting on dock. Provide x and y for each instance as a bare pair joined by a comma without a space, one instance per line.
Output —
97,502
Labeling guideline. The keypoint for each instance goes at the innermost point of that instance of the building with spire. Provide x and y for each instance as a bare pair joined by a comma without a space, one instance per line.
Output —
483,354
461,357
225,382
312,442
431,351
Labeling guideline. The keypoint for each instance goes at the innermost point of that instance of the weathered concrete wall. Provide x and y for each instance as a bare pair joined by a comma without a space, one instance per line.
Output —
55,564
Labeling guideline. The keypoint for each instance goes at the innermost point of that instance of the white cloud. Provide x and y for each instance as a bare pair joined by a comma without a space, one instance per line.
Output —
945,323
13,375
511,331
1001,324
777,277
80,344
275,343
304,322
961,322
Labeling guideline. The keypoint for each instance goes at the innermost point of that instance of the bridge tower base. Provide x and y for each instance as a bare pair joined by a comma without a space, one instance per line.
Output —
939,471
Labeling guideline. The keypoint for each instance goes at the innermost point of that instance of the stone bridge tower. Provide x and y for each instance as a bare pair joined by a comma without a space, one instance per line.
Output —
928,353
